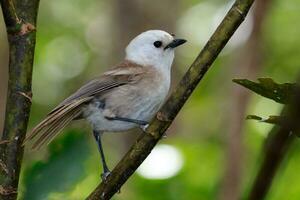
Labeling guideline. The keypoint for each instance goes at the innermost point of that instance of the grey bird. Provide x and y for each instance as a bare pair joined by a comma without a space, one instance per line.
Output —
124,97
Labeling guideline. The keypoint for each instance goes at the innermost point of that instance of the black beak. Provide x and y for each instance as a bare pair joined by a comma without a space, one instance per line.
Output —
175,43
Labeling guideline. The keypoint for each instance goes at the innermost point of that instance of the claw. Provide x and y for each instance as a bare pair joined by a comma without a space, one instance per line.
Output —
164,135
144,127
104,175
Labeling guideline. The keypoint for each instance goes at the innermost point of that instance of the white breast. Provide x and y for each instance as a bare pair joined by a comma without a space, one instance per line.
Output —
133,102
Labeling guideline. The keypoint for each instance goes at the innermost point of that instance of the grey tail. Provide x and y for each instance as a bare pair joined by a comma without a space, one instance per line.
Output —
50,127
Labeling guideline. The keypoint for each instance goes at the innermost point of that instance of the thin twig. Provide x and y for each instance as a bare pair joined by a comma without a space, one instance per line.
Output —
16,25
142,148
14,13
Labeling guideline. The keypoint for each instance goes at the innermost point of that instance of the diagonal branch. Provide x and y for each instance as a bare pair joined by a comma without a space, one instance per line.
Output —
142,148
20,17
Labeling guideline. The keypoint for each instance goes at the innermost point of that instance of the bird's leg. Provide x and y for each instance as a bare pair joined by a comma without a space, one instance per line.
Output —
106,171
142,124
108,114
144,127
135,121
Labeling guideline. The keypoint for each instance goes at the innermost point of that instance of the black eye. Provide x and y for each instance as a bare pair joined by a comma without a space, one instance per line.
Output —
157,44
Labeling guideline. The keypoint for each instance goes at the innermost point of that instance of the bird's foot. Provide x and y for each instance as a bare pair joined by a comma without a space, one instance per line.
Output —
144,127
104,175
164,135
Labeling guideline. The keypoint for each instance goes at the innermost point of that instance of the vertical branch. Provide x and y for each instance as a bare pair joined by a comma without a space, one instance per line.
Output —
277,145
20,19
143,146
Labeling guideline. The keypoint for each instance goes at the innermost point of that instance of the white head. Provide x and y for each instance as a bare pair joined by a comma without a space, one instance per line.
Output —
153,48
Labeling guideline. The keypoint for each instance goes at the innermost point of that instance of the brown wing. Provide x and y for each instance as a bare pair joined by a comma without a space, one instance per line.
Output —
96,86
111,79
70,108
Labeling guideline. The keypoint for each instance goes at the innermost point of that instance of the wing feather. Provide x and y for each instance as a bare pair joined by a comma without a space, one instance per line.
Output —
70,108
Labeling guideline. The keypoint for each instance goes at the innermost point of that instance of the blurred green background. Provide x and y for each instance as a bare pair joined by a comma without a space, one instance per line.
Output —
210,151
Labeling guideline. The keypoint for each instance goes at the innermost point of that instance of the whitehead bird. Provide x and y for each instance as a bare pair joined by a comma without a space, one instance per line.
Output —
124,97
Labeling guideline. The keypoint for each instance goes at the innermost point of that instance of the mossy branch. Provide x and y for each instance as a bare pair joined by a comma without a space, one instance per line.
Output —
143,146
281,136
273,119
266,87
281,93
276,146
20,19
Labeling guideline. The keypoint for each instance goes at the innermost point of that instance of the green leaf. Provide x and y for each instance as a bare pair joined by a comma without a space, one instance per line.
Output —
64,168
273,119
266,87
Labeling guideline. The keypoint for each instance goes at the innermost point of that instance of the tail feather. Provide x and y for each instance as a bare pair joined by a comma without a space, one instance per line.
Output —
55,122
47,134
53,130
53,117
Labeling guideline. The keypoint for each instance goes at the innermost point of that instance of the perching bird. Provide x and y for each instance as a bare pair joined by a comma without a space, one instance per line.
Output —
122,98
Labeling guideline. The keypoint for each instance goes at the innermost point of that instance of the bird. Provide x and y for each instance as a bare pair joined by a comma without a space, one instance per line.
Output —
126,96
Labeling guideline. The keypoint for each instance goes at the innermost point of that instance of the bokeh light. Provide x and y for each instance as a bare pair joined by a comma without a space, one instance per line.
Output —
165,161
208,15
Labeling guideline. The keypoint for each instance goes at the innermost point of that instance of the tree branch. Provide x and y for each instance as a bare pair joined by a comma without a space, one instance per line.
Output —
9,13
20,18
142,148
276,147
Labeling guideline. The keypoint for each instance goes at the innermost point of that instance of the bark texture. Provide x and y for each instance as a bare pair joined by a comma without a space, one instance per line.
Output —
20,19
